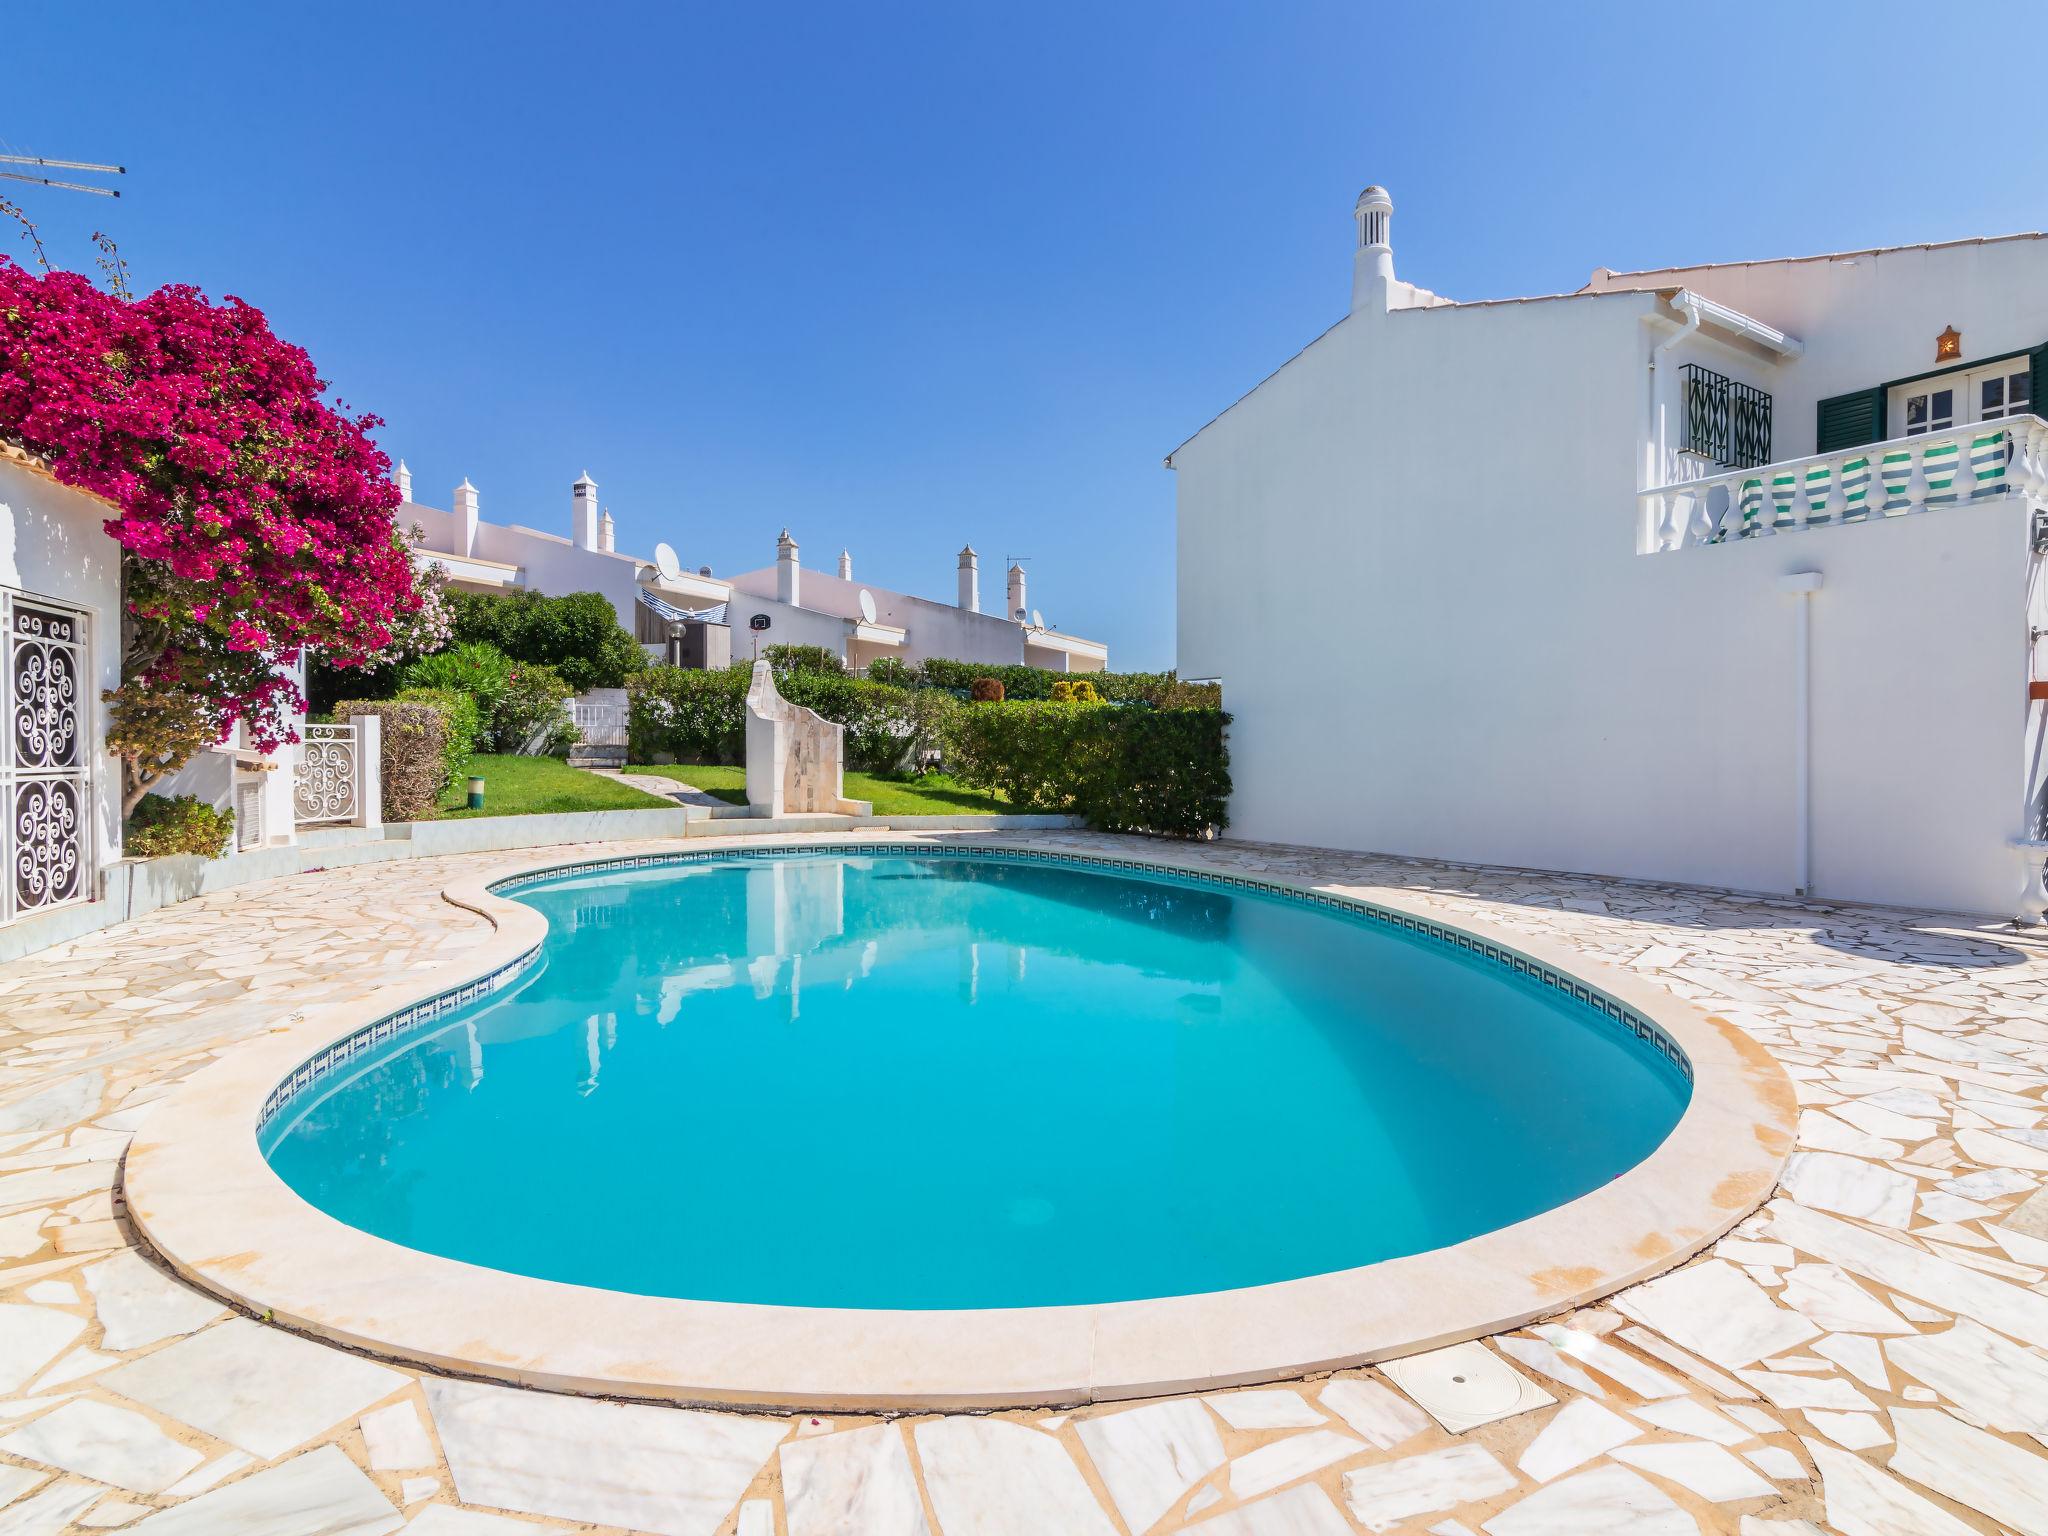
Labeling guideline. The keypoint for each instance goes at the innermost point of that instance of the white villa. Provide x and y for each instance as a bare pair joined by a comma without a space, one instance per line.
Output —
712,620
1733,580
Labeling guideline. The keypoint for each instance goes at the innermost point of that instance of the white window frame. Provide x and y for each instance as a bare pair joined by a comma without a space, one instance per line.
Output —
1968,384
14,774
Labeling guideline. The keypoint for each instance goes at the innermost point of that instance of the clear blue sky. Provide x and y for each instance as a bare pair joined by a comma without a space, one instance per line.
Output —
906,276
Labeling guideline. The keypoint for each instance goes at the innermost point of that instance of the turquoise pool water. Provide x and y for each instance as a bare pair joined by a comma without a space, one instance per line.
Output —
938,1082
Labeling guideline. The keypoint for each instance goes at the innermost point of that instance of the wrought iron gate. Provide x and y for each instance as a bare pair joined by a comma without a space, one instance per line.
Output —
45,756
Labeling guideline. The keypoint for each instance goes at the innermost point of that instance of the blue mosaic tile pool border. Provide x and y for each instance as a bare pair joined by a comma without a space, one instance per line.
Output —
1447,935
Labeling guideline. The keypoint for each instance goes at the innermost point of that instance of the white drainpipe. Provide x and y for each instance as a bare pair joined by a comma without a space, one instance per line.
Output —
1801,585
1659,471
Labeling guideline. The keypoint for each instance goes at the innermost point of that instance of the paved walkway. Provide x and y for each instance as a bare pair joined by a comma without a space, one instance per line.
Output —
1865,1355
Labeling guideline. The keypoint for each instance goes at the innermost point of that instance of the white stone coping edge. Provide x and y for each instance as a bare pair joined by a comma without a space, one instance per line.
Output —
199,1190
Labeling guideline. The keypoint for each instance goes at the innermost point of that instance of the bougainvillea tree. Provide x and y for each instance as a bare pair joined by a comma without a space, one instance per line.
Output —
255,518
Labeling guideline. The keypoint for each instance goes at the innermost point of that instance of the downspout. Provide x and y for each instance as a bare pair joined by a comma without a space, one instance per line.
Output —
1665,534
1801,585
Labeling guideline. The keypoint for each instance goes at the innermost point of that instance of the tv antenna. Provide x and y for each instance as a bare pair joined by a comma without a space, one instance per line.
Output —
62,165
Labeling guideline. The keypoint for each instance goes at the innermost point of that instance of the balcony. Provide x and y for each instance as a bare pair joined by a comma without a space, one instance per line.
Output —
1904,477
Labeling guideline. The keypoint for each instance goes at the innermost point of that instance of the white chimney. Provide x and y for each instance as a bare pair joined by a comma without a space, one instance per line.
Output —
1019,610
466,515
1372,266
845,565
970,580
404,479
605,530
583,517
786,572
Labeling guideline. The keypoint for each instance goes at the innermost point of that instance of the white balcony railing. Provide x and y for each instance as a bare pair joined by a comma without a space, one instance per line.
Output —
1904,477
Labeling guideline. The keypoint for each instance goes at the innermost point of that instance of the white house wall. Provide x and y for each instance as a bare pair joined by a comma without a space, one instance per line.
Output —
53,543
1410,556
934,629
1870,318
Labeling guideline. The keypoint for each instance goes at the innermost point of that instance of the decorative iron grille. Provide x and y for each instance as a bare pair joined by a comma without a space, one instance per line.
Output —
325,779
46,837
1726,422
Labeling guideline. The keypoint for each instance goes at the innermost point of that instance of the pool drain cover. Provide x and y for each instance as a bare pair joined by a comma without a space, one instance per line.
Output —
1466,1385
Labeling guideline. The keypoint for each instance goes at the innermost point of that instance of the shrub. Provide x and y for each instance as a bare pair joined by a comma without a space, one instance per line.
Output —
697,716
894,671
1022,682
1122,770
412,762
1193,696
987,690
166,824
461,726
578,635
1075,691
802,658
518,703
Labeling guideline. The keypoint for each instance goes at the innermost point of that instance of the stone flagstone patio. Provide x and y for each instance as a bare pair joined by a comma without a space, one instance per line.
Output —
1868,1354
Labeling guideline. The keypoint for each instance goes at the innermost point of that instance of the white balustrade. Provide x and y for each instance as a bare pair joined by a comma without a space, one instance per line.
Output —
1904,477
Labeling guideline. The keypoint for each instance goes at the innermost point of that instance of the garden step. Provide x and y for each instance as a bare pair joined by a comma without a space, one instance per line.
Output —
593,755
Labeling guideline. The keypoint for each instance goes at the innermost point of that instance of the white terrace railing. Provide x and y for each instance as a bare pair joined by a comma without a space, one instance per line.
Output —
1900,478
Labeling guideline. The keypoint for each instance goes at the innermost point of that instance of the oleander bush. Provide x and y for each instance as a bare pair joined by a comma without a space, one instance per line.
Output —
1122,770
167,824
413,761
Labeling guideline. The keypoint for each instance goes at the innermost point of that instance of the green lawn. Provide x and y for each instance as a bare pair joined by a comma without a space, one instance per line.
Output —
932,794
534,786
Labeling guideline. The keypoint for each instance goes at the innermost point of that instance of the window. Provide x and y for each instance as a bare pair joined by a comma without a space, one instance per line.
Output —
2007,392
1962,398
45,756
1930,410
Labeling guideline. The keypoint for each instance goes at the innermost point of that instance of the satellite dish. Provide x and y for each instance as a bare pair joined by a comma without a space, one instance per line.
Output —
1037,619
665,561
867,605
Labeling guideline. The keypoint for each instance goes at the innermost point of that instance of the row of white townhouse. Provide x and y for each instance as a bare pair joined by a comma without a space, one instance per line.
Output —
712,619
1727,575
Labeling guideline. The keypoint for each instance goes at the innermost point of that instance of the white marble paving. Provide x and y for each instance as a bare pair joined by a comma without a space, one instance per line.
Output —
1386,1495
258,1388
858,1480
139,1304
990,1477
1149,1457
1603,1501
1576,1433
1283,1461
1974,1468
673,1472
1897,1278
1302,1511
109,1444
396,1439
321,1493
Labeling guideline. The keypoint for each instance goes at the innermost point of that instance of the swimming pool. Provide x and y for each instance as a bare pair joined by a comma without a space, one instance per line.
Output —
924,1079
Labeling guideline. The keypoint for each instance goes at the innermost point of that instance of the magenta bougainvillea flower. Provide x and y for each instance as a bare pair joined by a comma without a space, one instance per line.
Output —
256,516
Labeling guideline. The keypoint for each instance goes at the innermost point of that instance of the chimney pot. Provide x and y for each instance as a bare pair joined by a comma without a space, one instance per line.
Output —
583,514
1372,266
970,580
467,515
787,573
404,479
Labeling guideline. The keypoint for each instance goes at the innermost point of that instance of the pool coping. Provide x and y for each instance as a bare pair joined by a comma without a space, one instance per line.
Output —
199,1191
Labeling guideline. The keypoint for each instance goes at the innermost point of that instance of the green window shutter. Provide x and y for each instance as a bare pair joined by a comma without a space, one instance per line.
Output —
1850,421
2039,404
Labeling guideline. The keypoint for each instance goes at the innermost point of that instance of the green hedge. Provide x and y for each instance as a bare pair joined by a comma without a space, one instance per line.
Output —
1122,770
411,761
461,721
1020,682
700,717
